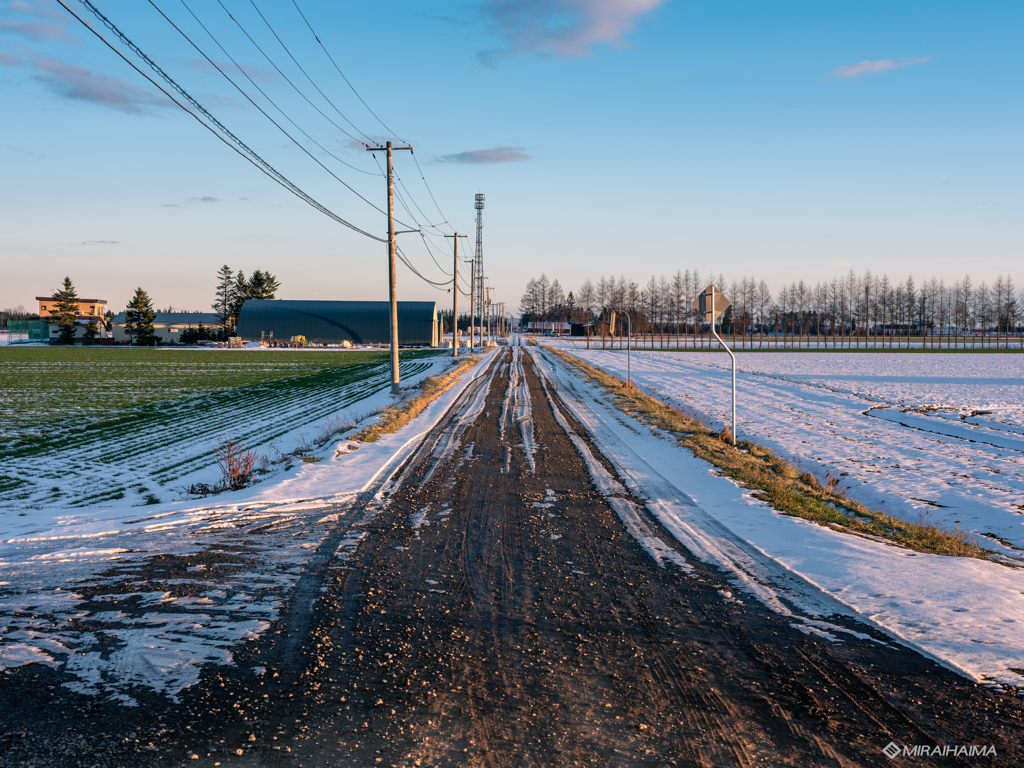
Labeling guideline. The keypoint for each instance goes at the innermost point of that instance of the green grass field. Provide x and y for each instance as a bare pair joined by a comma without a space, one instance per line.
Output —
81,424
42,385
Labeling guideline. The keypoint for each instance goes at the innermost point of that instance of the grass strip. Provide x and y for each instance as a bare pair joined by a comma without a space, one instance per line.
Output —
777,482
394,417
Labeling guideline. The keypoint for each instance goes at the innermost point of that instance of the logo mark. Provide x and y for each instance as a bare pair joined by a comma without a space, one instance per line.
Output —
891,749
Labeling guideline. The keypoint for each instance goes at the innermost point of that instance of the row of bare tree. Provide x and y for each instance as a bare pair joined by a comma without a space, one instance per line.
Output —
844,311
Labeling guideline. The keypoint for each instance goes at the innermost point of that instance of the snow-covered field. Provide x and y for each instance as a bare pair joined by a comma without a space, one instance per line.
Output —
966,613
139,598
65,445
939,436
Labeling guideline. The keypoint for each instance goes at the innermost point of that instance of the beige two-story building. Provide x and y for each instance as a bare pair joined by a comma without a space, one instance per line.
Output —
86,307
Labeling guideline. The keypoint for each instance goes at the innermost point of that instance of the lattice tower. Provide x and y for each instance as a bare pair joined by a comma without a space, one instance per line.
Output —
479,308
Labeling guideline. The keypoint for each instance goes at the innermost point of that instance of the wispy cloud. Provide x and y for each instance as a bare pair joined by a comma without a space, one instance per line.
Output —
871,67
486,156
40,31
170,205
254,72
74,82
566,28
53,26
44,9
101,242
80,84
204,199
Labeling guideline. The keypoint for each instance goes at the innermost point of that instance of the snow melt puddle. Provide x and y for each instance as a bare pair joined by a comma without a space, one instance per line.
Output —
418,520
468,413
518,409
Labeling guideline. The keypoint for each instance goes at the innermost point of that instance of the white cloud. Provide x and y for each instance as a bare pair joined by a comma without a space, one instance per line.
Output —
870,67
565,28
486,156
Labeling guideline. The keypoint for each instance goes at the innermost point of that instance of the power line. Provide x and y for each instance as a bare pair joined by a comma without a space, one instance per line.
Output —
317,38
361,99
287,79
246,95
274,33
224,135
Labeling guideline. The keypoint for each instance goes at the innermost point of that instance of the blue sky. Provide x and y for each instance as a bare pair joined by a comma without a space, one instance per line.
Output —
780,140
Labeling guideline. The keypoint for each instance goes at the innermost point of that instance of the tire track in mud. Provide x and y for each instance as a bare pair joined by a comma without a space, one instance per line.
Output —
523,625
490,615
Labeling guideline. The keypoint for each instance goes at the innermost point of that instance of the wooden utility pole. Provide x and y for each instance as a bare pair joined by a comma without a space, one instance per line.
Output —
392,272
455,296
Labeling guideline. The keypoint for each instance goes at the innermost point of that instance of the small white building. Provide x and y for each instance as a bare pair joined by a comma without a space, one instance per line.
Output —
168,325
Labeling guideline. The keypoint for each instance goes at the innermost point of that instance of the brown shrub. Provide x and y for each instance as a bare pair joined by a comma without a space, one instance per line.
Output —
236,463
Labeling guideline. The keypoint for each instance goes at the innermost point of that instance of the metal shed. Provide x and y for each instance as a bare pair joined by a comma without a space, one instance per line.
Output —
332,322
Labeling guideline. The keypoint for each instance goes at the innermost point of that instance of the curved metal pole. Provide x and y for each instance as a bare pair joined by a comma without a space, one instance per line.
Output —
733,366
629,334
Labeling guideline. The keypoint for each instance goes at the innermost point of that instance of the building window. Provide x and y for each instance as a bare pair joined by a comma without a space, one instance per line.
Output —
174,330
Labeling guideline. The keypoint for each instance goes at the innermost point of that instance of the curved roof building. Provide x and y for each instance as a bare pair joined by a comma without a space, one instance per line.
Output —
332,322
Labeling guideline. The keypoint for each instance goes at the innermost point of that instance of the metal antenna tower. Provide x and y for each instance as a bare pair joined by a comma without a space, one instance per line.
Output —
478,310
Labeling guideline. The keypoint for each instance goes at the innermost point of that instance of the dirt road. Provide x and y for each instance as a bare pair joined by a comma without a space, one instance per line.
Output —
499,609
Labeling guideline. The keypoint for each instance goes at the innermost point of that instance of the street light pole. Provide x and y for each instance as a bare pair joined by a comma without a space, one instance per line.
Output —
711,293
629,335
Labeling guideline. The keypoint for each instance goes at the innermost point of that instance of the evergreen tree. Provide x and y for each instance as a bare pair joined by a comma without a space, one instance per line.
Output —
92,330
570,307
262,286
225,297
238,297
65,311
138,319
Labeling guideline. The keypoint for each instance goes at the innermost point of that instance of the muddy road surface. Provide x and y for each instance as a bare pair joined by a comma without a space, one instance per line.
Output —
507,603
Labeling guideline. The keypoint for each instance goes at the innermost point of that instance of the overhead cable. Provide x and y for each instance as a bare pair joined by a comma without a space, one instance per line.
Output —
221,132
287,79
288,51
317,38
227,77
352,87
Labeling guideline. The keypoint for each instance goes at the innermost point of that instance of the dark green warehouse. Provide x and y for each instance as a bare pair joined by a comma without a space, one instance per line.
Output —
332,322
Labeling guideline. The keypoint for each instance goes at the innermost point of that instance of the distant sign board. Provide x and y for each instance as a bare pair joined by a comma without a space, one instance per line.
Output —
703,303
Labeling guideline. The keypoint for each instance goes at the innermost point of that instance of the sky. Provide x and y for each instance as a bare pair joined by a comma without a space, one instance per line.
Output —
779,140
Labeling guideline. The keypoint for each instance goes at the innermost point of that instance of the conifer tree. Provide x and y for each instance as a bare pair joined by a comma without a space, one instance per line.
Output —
92,330
65,311
138,319
225,297
260,286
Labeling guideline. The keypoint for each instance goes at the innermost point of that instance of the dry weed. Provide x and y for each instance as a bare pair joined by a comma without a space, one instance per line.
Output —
394,417
236,463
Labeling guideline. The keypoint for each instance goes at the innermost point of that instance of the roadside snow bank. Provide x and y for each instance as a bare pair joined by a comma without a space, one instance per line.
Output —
145,596
966,613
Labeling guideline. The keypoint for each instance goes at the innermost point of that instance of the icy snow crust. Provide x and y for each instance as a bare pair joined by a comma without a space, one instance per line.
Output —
966,613
82,589
901,432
